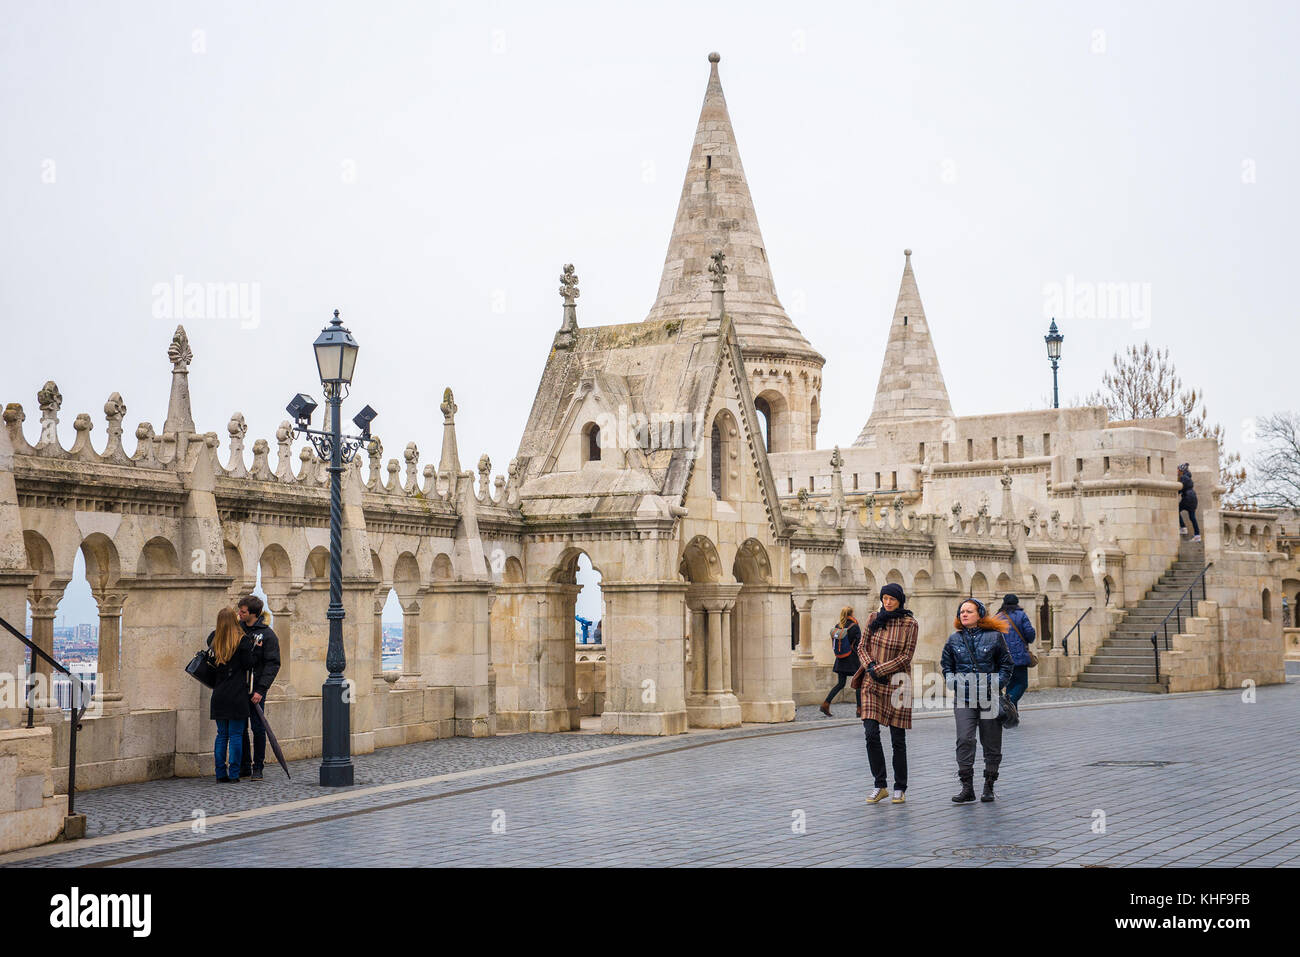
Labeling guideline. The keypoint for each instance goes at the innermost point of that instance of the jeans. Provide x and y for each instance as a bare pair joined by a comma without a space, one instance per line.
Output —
1019,683
990,734
876,754
1191,513
256,755
229,737
839,686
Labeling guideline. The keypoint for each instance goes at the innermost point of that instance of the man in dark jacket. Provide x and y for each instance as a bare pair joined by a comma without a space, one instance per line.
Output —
266,665
1018,639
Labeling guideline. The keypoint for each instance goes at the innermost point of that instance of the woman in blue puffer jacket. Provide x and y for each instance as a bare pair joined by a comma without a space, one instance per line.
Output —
977,666
1020,634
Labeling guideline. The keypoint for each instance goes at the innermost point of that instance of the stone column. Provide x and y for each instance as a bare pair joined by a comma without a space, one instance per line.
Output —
716,706
13,609
45,605
281,607
803,672
108,686
764,665
381,598
412,676
699,630
533,657
804,603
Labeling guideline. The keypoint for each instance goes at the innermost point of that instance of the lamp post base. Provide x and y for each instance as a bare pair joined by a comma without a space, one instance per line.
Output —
336,751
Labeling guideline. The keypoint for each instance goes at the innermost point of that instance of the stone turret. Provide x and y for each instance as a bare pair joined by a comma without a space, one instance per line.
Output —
716,213
911,383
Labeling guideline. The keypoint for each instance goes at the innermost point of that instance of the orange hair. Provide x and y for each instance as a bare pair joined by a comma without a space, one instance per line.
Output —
228,636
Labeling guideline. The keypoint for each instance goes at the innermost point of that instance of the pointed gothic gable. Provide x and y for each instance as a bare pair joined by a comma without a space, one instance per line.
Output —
729,378
911,383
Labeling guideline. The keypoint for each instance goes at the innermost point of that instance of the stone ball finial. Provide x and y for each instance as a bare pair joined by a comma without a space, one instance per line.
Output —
82,423
114,407
14,413
715,57
907,252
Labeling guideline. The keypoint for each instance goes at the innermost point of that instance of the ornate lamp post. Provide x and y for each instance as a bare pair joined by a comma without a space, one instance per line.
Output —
336,358
1054,340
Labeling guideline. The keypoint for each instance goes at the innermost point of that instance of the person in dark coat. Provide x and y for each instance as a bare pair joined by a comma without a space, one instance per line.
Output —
1187,502
844,641
1019,634
232,654
266,665
885,652
977,667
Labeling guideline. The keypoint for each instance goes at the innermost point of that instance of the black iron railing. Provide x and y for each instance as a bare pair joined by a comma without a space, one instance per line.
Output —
1177,612
1065,642
76,705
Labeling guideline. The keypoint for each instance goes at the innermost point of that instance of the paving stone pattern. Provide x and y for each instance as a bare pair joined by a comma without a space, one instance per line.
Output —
1228,798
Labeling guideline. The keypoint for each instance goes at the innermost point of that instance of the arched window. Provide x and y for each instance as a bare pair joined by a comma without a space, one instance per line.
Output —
724,443
715,460
764,421
590,443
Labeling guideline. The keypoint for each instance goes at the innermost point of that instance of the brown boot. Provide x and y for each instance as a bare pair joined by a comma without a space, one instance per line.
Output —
825,709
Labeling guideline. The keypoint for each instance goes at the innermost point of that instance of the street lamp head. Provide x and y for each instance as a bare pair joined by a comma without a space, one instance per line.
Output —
1053,340
336,354
300,408
362,421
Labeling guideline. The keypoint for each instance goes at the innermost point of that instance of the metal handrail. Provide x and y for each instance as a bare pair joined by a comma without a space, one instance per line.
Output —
1065,642
78,698
1177,610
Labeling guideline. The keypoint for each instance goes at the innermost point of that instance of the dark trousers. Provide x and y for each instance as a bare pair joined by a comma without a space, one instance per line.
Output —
1191,513
257,755
990,734
839,685
876,754
1019,683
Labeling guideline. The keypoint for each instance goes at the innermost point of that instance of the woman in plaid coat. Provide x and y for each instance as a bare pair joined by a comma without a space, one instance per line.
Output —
886,649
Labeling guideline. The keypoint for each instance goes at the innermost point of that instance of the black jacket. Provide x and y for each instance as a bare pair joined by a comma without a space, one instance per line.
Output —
1187,500
230,694
847,646
266,655
976,652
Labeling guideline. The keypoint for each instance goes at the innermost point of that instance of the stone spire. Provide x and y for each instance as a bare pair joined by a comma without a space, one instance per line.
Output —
450,461
180,421
911,383
717,213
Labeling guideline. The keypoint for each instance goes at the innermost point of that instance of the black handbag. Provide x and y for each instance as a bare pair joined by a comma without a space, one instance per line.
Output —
202,669
1008,713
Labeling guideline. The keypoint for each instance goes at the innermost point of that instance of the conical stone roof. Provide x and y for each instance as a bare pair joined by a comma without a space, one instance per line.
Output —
911,383
717,212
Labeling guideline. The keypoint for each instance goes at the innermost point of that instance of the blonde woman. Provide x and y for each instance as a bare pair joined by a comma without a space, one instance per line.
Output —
844,639
232,653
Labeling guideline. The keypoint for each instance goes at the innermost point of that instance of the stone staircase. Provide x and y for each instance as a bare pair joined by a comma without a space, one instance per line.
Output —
1125,661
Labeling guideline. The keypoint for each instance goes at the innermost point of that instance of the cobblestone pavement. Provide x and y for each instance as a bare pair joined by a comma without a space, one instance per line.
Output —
792,795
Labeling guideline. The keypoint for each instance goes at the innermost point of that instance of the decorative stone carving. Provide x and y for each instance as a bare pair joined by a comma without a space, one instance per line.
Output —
718,269
179,351
569,285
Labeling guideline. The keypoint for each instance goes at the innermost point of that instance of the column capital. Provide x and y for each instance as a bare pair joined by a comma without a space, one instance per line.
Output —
110,601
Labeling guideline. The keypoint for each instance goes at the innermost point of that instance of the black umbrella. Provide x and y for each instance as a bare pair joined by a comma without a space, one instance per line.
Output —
270,736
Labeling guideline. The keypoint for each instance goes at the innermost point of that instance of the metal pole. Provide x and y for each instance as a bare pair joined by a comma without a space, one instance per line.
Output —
1056,396
336,755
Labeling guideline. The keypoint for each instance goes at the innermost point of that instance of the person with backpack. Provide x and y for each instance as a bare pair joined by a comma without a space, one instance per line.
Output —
1019,634
232,655
885,697
977,667
844,642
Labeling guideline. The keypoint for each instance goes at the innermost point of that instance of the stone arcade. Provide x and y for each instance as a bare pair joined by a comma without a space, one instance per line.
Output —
679,453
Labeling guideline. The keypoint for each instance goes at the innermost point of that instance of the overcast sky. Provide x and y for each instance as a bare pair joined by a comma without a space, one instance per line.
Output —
428,169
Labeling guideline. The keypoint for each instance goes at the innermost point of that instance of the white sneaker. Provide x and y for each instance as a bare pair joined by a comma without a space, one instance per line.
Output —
1196,538
1182,531
897,798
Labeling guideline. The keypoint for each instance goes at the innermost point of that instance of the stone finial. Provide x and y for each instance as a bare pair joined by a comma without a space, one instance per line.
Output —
449,460
261,451
718,269
1006,477
567,336
715,58
448,406
179,351
956,509
569,285
412,456
14,414
14,418
283,453
484,478
115,411
237,427
837,460
375,452
50,401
